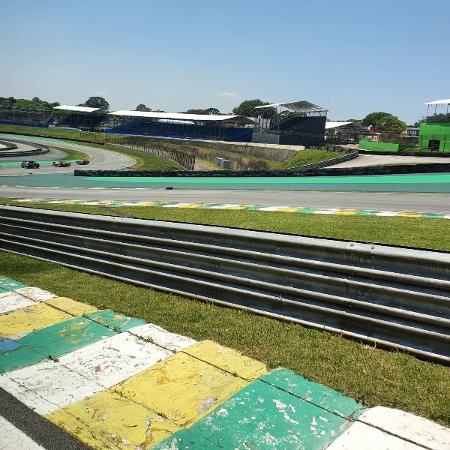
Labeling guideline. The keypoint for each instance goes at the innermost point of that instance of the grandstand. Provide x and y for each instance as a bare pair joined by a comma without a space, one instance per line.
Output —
182,125
79,117
434,132
29,117
304,124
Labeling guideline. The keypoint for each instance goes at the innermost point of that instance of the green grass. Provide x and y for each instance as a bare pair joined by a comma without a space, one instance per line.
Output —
371,375
303,157
423,233
38,131
70,154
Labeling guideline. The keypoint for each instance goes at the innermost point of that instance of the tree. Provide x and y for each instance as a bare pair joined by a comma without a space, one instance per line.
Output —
143,108
96,102
384,122
248,109
203,111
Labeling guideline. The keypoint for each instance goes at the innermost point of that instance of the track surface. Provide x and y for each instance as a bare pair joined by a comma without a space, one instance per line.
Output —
434,203
100,159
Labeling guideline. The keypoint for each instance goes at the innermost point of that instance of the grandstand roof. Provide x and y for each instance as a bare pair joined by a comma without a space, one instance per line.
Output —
439,102
329,125
178,116
85,109
298,106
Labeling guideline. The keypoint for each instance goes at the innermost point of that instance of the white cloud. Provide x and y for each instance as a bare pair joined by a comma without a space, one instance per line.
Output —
227,94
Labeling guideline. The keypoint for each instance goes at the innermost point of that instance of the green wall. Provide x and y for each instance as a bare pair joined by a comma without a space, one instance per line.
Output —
435,131
379,146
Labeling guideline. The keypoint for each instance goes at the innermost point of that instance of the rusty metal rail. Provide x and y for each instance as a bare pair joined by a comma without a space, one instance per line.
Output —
389,296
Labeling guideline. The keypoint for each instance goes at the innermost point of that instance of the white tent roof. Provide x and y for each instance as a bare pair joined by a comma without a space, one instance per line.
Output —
439,102
329,125
299,106
175,116
85,109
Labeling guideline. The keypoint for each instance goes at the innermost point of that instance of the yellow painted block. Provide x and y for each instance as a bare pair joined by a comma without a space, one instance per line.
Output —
108,420
70,306
287,209
181,388
412,215
31,318
191,206
227,359
346,212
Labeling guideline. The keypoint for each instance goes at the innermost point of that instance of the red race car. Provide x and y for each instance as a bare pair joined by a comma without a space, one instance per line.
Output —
61,164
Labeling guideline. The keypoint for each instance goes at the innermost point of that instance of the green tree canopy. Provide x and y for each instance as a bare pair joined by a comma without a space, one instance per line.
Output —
23,103
384,122
143,108
203,111
96,102
248,109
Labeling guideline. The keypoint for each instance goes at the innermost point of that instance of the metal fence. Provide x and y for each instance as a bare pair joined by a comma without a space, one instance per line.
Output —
388,296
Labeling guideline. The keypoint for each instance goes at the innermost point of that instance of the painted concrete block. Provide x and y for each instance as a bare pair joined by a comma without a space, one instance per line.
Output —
227,359
408,426
34,317
48,386
34,293
162,337
108,420
8,284
12,301
362,437
53,342
114,359
11,438
329,399
261,416
70,306
180,388
114,321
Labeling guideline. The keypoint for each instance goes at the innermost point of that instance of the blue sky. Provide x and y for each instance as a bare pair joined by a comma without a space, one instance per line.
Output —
353,57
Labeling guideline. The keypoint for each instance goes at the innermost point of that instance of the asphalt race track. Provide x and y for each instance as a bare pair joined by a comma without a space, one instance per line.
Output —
410,192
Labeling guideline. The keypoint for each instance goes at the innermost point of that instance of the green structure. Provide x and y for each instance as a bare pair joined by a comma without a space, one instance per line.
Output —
376,146
435,136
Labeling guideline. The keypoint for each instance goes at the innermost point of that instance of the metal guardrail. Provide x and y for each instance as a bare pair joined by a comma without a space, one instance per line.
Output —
37,149
392,297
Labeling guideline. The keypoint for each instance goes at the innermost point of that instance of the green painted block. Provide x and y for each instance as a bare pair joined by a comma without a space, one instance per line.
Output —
307,210
53,342
366,212
114,321
261,416
315,393
8,284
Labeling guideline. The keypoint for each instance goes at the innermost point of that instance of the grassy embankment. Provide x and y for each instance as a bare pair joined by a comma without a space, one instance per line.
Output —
426,233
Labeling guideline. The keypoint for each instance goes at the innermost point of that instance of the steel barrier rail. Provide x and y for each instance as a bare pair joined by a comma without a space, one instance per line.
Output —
393,297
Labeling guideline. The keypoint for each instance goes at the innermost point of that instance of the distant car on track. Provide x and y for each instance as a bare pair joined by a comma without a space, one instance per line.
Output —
29,165
83,162
61,164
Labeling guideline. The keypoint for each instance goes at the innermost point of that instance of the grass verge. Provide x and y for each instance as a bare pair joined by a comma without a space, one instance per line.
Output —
371,375
424,233
70,154
303,157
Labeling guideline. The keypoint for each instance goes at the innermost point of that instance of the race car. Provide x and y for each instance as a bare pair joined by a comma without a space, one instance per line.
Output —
29,165
83,162
61,164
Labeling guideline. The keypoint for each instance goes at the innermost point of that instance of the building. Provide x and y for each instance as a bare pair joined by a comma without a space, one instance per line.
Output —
304,124
181,125
78,117
345,132
434,132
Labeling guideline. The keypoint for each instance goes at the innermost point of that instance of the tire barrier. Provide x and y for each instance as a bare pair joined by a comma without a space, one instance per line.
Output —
389,296
36,149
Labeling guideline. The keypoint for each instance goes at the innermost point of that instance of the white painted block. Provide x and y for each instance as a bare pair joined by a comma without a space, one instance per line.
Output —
362,437
114,359
162,337
10,301
408,426
36,294
48,386
11,438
